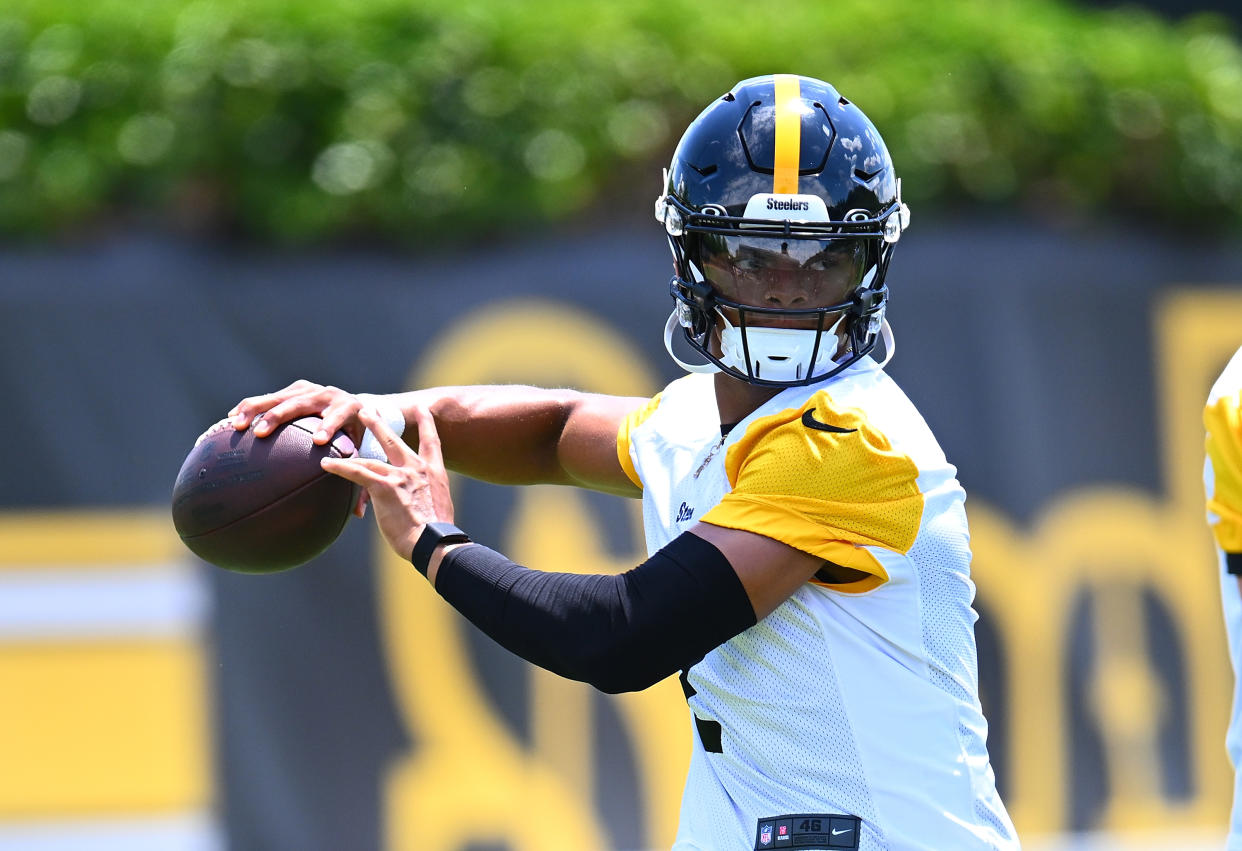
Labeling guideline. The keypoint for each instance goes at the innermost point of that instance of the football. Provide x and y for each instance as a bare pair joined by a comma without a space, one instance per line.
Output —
259,505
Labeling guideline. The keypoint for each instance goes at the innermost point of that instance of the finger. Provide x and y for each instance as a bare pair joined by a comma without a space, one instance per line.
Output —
290,409
354,431
337,417
395,449
361,471
360,507
429,448
247,408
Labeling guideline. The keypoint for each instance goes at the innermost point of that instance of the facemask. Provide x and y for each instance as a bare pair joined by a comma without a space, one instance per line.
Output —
778,354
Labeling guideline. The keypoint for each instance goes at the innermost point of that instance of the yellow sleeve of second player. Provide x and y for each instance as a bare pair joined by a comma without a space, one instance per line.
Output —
1223,421
829,492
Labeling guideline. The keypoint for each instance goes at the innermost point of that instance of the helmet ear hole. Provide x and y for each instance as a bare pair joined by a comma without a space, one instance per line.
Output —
693,318
704,307
695,305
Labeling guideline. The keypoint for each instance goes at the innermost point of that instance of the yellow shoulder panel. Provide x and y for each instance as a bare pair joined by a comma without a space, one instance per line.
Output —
826,481
636,418
1223,421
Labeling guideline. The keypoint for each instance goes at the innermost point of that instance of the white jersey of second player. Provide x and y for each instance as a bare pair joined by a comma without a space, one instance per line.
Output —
1222,478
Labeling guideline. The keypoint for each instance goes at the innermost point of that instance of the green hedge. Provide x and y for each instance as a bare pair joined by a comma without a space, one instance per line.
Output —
415,122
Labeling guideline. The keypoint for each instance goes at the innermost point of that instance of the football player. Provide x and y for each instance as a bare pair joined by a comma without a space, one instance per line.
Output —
1222,479
809,560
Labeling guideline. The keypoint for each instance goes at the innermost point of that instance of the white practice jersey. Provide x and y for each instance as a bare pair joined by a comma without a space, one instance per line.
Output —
854,707
1222,480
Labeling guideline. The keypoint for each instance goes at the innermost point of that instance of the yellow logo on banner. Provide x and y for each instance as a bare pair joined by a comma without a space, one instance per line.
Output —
1105,615
467,777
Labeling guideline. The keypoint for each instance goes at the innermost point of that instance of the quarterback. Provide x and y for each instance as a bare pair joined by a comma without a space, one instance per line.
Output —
808,571
1222,479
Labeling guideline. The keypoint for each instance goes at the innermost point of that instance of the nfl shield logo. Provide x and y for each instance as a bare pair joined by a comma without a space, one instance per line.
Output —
765,835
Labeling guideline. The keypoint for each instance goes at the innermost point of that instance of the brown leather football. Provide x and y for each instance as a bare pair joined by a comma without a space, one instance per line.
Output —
259,505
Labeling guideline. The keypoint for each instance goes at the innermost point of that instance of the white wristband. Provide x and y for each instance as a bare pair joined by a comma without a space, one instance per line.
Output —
392,417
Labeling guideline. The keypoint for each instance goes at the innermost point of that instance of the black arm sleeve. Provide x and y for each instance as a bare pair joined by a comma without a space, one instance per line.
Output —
618,633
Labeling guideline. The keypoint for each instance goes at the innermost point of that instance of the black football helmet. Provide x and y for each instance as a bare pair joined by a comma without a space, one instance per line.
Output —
781,171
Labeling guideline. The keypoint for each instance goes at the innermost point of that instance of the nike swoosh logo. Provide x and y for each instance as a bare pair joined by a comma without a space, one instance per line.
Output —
839,832
810,422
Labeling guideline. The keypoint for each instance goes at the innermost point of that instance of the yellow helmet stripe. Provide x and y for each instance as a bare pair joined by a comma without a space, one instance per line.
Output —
788,134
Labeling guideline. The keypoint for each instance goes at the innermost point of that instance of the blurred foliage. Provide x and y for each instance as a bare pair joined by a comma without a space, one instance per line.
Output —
413,121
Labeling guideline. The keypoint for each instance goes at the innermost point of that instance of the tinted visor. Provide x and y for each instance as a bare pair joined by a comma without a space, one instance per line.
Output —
782,273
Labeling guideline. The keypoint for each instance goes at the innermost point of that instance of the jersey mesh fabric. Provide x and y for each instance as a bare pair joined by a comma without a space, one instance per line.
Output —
1222,479
748,728
953,658
829,493
841,701
631,422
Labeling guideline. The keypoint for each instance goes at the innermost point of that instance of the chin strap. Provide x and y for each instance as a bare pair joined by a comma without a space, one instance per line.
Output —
672,325
890,343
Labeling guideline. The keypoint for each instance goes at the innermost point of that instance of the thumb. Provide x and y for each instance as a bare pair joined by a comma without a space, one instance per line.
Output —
360,507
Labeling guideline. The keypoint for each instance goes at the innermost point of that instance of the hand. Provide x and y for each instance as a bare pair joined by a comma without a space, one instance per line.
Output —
410,490
338,409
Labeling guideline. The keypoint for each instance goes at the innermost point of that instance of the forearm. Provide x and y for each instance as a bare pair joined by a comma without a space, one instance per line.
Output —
507,434
617,632
518,435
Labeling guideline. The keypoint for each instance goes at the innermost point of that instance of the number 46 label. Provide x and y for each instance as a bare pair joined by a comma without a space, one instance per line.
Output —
807,831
